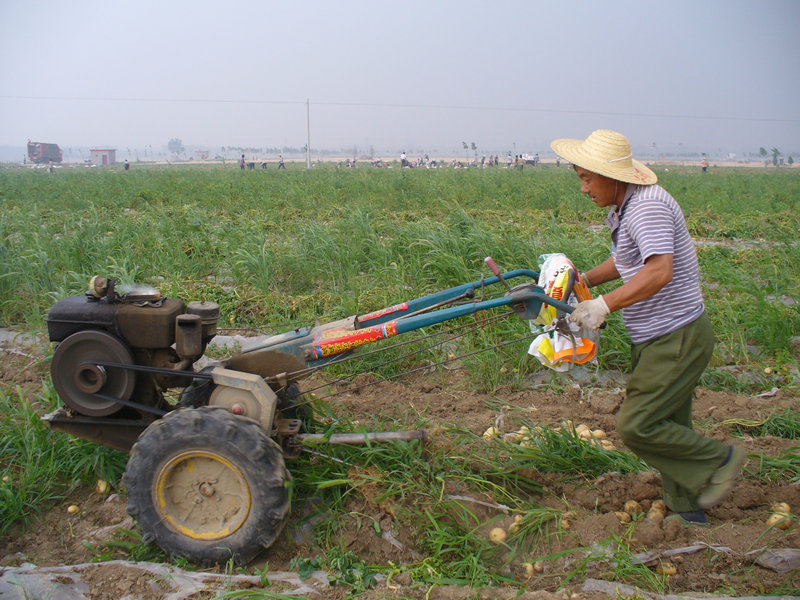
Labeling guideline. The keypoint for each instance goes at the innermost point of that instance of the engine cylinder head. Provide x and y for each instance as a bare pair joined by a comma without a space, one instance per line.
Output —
209,315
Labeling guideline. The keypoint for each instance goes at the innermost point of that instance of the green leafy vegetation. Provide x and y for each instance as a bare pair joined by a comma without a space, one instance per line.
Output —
279,249
785,467
38,465
276,249
785,424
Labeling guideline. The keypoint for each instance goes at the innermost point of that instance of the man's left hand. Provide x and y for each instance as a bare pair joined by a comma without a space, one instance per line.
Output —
590,314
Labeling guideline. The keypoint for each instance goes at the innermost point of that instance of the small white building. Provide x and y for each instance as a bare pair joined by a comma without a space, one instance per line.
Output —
103,156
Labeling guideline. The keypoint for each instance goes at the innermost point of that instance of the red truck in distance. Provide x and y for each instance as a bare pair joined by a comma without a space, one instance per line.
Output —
39,152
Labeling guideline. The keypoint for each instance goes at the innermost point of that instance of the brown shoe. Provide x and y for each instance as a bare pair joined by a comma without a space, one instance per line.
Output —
722,479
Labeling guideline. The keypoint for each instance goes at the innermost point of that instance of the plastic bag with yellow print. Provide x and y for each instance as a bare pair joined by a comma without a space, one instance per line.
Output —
561,343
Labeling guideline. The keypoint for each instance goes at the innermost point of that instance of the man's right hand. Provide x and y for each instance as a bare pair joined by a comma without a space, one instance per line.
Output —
590,314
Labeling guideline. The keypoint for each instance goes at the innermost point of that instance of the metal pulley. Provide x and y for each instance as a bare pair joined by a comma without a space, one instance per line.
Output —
78,381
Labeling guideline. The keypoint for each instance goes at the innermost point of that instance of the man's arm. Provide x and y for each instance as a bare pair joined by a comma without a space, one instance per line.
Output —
654,275
602,273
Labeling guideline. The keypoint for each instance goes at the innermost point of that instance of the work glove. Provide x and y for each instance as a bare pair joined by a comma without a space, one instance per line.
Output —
590,314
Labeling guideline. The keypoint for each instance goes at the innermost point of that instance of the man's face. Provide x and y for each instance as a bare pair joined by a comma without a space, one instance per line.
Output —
601,190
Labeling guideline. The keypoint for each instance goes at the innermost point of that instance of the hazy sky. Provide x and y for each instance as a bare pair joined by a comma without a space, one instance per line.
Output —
709,75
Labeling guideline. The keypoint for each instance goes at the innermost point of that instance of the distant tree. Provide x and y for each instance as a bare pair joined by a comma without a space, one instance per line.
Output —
475,150
466,148
790,160
175,146
775,154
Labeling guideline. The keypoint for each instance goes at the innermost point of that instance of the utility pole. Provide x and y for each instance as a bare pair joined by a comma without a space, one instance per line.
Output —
308,132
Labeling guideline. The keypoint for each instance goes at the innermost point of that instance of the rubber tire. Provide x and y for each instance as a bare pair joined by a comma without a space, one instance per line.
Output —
235,439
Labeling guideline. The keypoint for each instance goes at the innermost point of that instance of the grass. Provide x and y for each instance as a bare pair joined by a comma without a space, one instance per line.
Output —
412,484
128,544
785,424
785,467
564,451
277,248
614,560
39,465
255,595
282,249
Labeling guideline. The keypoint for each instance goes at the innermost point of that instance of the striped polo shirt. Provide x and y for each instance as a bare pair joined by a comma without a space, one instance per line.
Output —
648,223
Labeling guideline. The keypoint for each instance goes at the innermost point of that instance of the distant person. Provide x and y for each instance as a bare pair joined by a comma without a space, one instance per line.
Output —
403,159
127,165
280,162
241,163
704,163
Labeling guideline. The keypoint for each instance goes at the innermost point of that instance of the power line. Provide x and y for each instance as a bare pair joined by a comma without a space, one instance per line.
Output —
404,106
562,111
175,100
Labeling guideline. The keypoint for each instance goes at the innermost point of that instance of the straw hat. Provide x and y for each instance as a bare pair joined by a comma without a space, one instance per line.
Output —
607,153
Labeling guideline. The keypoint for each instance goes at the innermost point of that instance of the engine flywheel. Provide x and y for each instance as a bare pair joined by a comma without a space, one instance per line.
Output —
76,383
268,363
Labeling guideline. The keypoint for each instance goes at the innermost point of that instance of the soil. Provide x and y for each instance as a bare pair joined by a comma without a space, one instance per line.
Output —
737,555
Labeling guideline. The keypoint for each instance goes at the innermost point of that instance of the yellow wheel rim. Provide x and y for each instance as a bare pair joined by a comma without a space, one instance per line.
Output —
202,495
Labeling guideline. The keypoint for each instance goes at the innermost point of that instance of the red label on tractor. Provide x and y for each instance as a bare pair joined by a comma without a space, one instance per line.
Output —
382,312
337,341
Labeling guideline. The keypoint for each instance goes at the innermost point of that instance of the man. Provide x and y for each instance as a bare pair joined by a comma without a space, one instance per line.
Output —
664,314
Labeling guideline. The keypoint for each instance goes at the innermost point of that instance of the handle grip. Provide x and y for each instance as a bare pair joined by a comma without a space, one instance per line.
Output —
493,268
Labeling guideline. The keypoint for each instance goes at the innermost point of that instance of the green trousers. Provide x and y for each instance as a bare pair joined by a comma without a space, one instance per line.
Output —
655,420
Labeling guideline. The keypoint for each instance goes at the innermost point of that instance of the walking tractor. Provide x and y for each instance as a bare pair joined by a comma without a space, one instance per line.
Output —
206,476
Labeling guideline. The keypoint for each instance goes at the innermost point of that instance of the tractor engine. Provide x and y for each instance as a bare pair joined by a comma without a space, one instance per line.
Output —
140,328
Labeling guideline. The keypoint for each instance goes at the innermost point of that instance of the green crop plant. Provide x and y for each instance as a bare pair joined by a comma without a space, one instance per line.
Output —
562,450
785,467
294,247
283,250
785,424
39,465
